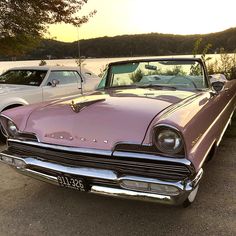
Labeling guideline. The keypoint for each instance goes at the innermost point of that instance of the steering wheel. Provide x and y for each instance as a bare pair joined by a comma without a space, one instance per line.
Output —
183,78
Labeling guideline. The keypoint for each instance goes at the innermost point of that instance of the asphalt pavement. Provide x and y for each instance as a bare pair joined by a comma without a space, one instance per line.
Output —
31,207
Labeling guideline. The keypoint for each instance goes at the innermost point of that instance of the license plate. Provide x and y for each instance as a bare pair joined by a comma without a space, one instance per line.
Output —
72,182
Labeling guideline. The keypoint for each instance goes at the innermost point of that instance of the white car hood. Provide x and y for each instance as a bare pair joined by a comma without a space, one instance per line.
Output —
7,88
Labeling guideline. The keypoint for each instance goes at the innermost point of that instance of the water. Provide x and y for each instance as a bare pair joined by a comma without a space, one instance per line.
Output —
96,64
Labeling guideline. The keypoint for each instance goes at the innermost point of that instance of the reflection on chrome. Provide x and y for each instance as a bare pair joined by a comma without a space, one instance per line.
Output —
134,187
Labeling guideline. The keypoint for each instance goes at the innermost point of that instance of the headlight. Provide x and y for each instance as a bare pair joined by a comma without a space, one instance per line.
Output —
8,127
168,140
11,128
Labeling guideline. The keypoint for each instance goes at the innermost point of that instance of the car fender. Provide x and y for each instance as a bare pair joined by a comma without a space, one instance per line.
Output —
201,120
12,101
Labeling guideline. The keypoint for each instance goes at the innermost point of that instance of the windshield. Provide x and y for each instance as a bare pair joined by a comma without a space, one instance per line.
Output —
170,73
23,77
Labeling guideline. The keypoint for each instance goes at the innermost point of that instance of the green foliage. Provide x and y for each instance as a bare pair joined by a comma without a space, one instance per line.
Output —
196,47
153,44
18,45
226,64
195,70
198,50
177,71
137,76
23,22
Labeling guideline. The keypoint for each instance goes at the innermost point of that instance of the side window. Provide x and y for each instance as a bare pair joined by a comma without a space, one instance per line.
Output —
64,77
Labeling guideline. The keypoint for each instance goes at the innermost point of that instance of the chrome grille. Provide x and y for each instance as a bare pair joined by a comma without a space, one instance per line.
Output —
122,165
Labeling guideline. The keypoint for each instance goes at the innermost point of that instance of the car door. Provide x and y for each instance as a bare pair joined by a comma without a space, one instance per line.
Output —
219,107
61,83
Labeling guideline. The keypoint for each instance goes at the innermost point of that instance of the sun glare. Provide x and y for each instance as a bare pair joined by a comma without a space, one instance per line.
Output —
163,16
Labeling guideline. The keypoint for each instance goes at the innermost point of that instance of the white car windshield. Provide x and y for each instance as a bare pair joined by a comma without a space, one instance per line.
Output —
23,77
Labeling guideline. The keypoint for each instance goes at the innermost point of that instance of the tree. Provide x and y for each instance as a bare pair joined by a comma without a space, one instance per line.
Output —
23,22
196,49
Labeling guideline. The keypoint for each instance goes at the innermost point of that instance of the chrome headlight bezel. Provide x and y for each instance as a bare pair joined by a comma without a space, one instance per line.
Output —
9,127
174,145
10,130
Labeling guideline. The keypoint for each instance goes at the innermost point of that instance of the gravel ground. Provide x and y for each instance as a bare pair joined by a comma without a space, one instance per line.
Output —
30,207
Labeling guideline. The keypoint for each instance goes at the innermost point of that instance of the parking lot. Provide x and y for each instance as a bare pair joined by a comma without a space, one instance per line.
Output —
30,207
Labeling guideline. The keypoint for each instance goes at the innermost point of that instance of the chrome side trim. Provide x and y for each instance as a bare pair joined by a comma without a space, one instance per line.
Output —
208,151
214,122
225,128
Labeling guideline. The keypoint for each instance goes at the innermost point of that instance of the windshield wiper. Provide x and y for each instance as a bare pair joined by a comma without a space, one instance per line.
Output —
156,86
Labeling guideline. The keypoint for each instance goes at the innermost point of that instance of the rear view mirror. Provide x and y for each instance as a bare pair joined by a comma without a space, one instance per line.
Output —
150,67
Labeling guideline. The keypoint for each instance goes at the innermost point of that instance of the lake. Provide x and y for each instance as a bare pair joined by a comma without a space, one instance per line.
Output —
95,64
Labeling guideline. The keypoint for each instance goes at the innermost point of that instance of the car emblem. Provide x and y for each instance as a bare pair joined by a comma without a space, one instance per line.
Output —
77,107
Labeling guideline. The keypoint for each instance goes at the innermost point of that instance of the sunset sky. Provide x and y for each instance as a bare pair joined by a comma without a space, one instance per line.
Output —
118,17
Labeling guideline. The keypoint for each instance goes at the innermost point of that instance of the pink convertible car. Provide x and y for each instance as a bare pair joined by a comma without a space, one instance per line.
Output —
145,133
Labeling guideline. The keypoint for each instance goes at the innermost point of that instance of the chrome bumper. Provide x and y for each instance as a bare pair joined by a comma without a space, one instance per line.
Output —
27,164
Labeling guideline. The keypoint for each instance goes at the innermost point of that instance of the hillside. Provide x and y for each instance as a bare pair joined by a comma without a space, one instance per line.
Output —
153,44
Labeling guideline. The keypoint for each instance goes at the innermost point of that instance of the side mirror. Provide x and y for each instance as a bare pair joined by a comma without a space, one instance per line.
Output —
218,86
55,82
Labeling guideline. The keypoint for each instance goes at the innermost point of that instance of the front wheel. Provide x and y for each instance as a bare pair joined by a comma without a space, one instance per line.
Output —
191,197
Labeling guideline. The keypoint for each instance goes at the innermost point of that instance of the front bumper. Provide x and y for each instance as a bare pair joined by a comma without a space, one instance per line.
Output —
27,165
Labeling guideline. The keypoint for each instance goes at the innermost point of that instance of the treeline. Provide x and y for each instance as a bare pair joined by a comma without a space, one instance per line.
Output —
153,44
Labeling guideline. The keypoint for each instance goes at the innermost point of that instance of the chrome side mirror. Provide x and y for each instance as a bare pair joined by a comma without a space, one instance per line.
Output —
55,82
218,86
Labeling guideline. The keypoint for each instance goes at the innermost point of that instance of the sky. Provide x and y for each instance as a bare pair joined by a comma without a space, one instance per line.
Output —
119,17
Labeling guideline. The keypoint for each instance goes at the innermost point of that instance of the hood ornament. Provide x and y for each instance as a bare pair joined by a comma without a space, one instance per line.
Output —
77,107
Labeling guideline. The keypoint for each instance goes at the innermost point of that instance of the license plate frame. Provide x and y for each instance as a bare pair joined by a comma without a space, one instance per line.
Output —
73,182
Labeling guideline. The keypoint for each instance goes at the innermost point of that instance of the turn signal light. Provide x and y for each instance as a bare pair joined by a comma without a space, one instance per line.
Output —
150,187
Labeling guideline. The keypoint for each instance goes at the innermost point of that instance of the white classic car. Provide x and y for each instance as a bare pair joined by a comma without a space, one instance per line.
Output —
26,85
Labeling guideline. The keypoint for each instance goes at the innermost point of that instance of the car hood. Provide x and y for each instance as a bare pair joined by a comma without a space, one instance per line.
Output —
7,88
102,119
